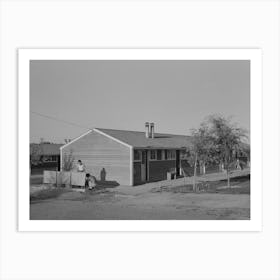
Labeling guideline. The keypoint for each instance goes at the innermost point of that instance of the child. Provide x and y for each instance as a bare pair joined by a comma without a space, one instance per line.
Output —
90,181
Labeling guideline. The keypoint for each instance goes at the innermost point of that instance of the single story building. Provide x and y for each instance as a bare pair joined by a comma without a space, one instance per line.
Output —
44,156
131,157
127,157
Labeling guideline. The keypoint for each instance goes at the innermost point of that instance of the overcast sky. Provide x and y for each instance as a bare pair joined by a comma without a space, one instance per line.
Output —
175,95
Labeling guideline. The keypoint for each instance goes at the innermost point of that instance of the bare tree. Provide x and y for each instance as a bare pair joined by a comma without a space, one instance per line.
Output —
68,161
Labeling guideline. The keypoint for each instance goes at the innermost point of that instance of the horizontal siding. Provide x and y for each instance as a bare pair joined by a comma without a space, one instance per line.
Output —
97,151
158,169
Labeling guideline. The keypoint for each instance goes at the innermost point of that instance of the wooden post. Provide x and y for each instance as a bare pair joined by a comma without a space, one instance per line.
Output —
56,176
194,174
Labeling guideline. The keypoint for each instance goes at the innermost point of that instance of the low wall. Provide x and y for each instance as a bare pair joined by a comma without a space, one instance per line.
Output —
64,178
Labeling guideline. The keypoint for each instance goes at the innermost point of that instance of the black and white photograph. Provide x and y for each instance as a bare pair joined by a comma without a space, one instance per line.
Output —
140,139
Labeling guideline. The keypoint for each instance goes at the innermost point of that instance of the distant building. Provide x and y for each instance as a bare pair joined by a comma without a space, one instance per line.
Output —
45,155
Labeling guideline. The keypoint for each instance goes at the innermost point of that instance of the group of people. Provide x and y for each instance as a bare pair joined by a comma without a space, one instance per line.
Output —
90,181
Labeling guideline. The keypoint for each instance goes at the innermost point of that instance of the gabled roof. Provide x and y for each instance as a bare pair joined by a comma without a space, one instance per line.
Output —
137,139
47,148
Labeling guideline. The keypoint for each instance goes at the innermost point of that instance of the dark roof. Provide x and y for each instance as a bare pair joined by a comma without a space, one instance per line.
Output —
137,139
47,149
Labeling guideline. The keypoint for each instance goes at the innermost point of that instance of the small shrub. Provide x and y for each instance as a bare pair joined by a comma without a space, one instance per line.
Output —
68,161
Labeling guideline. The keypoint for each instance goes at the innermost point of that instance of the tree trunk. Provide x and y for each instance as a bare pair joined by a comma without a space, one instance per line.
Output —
228,179
194,173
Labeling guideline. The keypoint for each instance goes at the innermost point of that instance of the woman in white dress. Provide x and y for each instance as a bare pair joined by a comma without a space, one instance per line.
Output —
80,166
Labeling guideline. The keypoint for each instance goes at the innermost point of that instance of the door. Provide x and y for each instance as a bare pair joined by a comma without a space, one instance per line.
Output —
178,162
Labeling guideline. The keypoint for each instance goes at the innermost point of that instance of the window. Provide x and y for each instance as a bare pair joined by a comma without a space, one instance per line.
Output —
137,155
153,155
49,158
158,154
170,154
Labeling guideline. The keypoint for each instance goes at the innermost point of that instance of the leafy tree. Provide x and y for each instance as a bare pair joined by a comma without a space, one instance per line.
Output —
35,154
228,142
201,150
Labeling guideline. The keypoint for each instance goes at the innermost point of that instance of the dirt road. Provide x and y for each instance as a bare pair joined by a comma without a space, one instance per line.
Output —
114,205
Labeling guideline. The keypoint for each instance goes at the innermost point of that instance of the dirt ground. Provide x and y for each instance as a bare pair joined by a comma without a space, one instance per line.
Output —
156,201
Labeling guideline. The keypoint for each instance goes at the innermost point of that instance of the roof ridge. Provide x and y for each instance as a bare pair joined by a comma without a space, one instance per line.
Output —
137,131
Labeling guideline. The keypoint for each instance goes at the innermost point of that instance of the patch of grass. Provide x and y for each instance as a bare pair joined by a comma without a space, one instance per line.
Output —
240,185
47,194
177,189
241,190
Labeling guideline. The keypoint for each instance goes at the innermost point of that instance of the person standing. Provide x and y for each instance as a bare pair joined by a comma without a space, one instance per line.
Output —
80,166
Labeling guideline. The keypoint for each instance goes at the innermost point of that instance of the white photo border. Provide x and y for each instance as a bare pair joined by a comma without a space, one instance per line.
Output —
255,57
